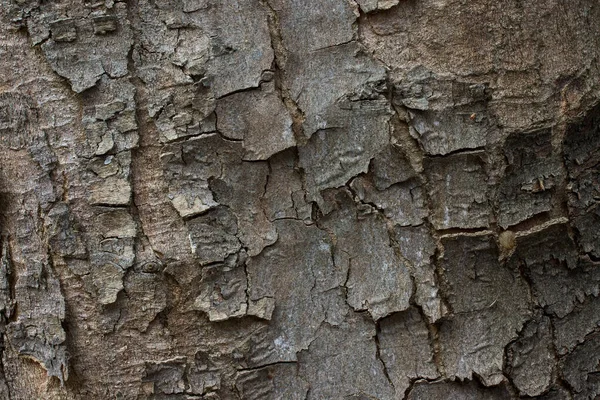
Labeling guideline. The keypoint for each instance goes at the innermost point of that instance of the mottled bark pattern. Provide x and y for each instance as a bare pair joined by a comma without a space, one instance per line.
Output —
299,199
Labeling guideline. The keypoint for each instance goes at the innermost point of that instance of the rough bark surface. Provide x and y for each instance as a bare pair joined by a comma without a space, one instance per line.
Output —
299,199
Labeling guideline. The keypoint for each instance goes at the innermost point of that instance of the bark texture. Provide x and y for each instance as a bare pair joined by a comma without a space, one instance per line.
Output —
300,199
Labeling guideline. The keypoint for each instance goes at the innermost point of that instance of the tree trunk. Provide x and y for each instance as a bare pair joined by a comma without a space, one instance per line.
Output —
300,199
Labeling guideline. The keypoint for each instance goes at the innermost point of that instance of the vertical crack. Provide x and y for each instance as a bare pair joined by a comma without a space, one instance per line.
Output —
559,379
281,55
378,355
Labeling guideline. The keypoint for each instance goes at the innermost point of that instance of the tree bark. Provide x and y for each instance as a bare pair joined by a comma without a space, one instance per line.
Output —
300,199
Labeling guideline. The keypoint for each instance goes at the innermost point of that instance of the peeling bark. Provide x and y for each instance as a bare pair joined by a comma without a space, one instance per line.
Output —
299,199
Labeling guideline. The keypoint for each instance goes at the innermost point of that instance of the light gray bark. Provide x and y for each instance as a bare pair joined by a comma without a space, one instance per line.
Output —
299,199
